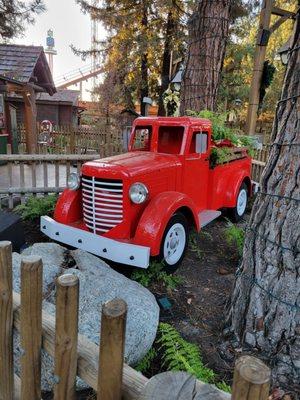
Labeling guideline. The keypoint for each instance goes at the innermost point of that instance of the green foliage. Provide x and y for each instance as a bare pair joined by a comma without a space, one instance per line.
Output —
145,362
180,355
219,155
35,207
219,129
16,15
235,236
223,386
155,273
193,244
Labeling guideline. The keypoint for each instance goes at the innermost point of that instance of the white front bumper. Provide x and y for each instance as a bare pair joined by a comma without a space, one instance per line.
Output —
125,253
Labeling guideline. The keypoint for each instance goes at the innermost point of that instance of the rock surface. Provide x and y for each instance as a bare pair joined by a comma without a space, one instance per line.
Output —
98,283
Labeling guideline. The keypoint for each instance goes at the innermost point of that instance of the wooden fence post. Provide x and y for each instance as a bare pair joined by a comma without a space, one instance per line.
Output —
251,379
6,323
66,337
31,327
112,343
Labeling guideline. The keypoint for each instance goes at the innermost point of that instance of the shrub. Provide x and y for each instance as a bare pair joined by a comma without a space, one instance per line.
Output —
35,207
155,273
235,236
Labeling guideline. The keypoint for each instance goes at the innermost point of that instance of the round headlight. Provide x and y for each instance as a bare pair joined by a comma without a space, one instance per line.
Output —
138,193
73,181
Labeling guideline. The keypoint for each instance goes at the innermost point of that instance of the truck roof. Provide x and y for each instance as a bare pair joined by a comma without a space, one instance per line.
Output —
173,121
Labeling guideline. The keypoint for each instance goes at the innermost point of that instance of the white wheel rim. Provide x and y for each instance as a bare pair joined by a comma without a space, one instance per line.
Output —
174,244
241,202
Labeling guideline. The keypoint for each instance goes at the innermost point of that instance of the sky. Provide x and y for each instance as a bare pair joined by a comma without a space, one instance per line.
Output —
70,26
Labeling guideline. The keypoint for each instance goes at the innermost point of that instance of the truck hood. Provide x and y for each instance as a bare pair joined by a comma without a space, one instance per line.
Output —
131,164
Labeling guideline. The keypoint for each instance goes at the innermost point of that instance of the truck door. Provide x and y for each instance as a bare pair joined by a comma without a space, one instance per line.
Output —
195,178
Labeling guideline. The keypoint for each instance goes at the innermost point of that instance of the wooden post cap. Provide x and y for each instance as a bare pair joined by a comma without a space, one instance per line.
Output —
253,370
67,280
114,308
30,264
4,244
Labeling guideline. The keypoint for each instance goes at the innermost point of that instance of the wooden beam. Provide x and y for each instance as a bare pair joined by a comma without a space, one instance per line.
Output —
6,323
259,59
30,119
278,23
31,327
112,344
251,379
283,13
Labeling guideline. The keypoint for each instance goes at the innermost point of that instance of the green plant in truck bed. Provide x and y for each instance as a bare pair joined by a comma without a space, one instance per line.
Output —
35,207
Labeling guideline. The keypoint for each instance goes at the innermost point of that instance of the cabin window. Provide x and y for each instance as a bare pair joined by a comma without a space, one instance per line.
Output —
170,139
142,138
199,143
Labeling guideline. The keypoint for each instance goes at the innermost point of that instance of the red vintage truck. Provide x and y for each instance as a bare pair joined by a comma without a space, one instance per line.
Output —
141,204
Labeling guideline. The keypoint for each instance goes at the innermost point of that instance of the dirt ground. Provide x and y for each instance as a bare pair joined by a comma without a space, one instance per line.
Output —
198,304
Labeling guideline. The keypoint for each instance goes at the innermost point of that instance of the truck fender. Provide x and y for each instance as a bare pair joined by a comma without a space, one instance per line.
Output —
158,213
68,207
233,187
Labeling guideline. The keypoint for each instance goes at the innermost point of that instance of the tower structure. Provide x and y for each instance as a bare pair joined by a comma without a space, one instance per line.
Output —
50,51
94,45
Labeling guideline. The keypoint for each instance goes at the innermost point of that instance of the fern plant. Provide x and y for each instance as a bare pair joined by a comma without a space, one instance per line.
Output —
180,355
35,207
145,362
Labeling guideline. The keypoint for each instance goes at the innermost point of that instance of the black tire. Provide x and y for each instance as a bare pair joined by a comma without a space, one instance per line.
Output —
175,219
236,213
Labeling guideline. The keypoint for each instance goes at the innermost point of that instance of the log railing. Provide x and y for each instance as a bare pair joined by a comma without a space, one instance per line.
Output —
74,355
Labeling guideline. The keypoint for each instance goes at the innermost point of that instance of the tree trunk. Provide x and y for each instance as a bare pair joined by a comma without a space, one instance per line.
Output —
144,91
208,34
165,69
265,309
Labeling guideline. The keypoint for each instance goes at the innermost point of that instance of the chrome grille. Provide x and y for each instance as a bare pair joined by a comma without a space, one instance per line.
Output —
102,203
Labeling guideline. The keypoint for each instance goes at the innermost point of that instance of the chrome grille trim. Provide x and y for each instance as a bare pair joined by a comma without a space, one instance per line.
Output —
103,183
115,210
102,203
105,194
102,188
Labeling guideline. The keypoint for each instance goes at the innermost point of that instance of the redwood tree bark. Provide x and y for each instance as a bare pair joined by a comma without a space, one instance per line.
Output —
144,90
166,59
265,309
208,34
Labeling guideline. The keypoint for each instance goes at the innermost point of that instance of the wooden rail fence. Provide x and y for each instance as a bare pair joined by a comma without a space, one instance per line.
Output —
43,174
37,174
106,139
74,355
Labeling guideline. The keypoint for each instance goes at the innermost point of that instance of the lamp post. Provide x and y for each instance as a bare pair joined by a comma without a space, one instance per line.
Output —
176,81
284,52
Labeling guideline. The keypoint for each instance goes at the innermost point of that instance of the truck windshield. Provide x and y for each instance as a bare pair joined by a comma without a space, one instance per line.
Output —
142,138
170,139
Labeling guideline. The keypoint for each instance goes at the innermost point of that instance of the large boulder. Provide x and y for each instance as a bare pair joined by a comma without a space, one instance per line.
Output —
98,283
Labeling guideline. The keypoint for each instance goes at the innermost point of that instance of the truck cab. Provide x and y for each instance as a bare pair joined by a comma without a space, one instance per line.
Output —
142,204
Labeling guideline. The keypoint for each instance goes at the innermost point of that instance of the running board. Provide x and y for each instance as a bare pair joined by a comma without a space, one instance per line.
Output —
206,216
